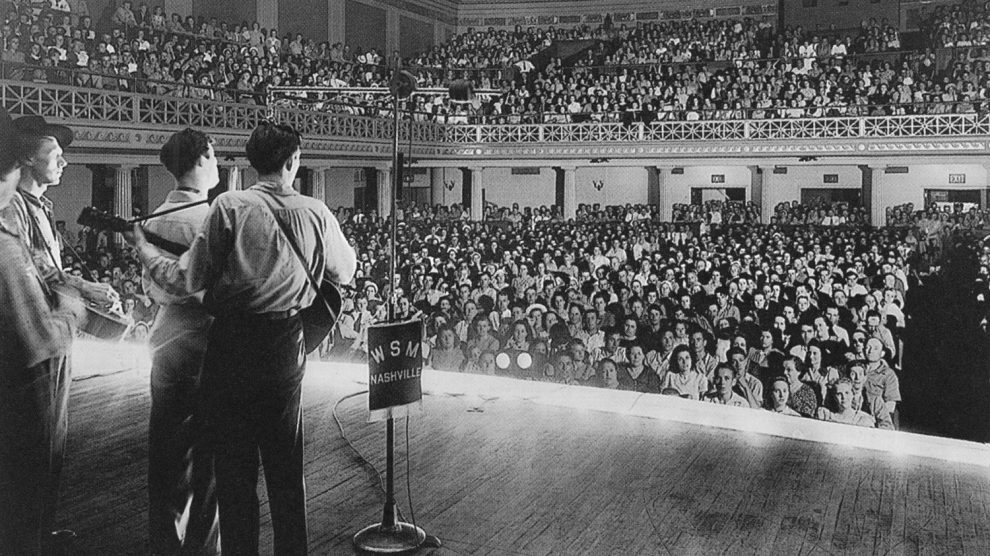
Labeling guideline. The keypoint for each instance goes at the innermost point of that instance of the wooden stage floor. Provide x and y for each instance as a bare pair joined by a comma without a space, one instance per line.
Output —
502,475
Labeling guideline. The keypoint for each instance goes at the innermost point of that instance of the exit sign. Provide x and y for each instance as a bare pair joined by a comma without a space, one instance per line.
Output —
957,178
718,178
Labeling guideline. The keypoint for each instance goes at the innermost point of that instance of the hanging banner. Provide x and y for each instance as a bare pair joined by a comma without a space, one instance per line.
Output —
395,365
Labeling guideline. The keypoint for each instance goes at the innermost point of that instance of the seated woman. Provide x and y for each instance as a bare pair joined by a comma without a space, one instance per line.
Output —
447,356
845,411
780,393
802,397
584,371
520,338
682,376
816,374
636,375
483,339
608,374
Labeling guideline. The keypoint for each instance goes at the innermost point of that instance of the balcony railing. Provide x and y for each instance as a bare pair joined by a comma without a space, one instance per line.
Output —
63,102
864,127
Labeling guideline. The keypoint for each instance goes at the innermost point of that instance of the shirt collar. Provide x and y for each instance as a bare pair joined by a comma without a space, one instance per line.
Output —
36,201
274,188
176,196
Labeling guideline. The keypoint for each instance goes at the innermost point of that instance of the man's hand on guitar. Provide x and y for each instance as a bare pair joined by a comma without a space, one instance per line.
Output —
135,236
99,294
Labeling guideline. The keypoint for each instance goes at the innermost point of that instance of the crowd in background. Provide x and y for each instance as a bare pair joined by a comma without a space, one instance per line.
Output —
686,70
635,305
962,24
782,315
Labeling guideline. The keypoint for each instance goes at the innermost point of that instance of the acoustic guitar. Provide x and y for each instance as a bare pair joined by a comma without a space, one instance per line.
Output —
318,319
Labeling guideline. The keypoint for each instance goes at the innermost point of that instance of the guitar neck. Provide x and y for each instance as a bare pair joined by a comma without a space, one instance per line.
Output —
172,247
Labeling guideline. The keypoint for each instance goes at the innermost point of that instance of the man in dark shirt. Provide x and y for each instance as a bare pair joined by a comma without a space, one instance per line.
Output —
255,356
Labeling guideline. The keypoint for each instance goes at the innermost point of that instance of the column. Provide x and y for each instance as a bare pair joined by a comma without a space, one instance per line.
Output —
184,7
477,194
319,184
570,193
234,178
664,204
391,32
385,192
267,15
873,177
123,195
336,24
766,193
437,177
123,183
756,189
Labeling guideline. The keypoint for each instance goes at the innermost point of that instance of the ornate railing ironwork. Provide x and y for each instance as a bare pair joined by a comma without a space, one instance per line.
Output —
63,102
864,127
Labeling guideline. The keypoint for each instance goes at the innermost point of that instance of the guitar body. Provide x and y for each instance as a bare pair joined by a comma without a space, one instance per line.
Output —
320,318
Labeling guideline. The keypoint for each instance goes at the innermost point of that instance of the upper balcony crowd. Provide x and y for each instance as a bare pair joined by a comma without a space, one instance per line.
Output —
684,70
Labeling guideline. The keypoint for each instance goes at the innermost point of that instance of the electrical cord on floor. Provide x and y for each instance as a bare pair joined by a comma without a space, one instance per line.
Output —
412,512
343,435
103,375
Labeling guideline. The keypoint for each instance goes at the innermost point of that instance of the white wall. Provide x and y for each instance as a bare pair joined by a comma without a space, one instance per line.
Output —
531,190
340,187
910,188
680,185
72,194
622,185
160,182
454,196
787,187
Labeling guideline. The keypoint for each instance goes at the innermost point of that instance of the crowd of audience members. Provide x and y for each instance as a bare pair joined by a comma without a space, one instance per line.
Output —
716,316
963,24
806,322
684,70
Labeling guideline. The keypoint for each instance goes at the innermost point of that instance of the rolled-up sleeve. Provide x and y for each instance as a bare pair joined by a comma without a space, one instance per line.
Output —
340,256
198,267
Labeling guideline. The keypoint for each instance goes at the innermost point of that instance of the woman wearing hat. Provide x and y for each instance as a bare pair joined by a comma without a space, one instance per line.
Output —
35,342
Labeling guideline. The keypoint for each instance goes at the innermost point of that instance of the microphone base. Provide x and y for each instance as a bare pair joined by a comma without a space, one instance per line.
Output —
378,539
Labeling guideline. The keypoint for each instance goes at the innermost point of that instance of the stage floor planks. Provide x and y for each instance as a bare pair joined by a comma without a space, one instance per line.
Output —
506,476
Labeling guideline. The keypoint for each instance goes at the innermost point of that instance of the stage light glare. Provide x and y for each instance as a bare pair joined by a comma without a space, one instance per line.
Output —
502,360
525,360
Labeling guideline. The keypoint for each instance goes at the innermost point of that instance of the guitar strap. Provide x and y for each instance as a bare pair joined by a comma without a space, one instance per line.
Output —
295,249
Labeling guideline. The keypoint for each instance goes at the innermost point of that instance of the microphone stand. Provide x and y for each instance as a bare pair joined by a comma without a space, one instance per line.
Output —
392,535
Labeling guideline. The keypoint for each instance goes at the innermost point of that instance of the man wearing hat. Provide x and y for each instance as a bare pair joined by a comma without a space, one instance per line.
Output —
39,148
35,342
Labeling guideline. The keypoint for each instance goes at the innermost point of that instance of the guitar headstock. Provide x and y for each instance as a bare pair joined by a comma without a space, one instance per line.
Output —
99,220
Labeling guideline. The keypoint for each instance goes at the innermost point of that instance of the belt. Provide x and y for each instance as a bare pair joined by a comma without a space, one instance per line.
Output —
269,316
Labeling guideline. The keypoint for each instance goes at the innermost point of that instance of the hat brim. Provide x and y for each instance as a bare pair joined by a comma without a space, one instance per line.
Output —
36,126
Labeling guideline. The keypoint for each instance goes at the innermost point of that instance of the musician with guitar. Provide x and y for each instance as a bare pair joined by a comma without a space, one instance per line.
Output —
256,258
37,147
35,343
180,469
40,148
